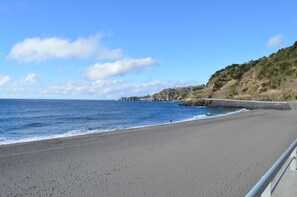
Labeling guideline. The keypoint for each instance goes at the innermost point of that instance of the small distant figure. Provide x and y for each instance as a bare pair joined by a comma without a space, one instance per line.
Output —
170,121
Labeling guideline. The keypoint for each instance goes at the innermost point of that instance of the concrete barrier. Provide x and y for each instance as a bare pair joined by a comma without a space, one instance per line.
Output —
251,104
293,105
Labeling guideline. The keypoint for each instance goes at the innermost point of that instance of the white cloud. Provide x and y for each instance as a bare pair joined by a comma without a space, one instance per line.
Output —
31,79
104,53
73,87
100,88
4,80
37,49
276,41
121,67
111,88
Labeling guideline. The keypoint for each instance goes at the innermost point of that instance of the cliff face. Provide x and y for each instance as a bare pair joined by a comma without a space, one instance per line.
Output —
268,78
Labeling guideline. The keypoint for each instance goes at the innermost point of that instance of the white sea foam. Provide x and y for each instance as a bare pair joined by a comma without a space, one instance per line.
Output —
4,141
208,116
71,133
199,117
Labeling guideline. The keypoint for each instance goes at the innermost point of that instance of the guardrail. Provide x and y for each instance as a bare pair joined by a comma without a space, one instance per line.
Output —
269,181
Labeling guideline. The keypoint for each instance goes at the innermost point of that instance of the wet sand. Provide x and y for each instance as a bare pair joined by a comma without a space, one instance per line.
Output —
225,156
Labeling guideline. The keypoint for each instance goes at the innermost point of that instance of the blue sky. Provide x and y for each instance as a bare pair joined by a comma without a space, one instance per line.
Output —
107,49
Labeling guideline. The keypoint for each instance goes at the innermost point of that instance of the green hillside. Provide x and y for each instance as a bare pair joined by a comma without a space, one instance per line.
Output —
272,78
268,78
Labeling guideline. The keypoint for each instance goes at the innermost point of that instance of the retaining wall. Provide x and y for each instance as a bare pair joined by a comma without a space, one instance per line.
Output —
251,104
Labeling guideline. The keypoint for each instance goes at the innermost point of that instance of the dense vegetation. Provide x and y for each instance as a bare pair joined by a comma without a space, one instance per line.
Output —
268,78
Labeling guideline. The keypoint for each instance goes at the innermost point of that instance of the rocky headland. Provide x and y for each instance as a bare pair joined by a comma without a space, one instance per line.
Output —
272,78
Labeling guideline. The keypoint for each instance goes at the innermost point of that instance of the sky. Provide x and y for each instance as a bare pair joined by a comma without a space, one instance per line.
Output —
94,49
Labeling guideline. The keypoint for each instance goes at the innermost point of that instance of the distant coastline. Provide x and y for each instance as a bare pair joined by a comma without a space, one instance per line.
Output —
272,78
169,94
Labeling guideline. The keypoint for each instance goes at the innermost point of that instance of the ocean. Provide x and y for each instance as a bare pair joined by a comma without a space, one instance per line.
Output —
31,120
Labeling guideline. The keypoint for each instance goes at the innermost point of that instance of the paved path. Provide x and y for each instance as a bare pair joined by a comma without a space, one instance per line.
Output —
287,186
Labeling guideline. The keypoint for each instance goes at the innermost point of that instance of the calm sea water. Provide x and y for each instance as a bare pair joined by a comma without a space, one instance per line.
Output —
29,120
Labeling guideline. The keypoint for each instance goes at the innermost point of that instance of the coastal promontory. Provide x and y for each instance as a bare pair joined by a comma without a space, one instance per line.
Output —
272,78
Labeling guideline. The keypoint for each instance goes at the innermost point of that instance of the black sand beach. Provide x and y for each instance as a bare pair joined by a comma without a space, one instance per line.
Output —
225,156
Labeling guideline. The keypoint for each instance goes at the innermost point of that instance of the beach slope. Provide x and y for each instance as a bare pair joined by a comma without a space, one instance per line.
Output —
225,156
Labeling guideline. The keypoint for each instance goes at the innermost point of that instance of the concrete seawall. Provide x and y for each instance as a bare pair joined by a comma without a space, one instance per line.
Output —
227,103
251,104
293,105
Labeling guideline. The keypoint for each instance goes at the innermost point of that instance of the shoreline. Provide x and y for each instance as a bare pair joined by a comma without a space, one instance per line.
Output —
129,131
222,156
87,136
74,133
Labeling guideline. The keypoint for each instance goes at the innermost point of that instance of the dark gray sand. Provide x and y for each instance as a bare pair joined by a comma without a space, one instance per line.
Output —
225,156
